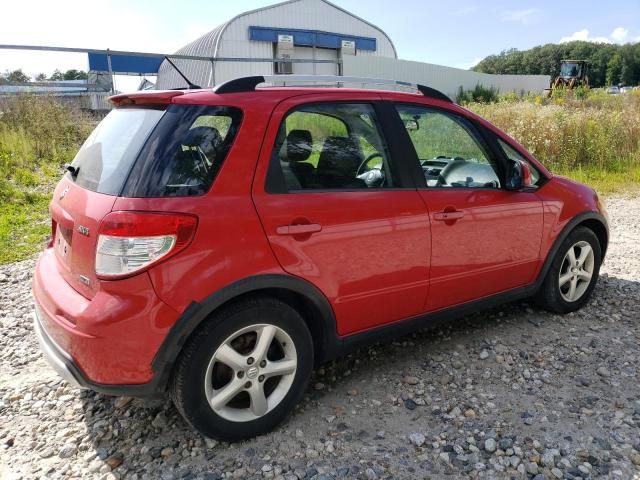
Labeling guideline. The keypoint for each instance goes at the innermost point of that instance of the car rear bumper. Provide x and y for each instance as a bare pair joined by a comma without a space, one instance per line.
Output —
55,356
106,343
67,368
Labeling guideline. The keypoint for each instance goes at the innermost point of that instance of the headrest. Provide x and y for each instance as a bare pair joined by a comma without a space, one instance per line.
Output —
341,154
206,138
298,145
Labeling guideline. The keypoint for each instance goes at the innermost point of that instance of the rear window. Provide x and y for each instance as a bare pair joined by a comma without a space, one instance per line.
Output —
106,157
157,152
184,153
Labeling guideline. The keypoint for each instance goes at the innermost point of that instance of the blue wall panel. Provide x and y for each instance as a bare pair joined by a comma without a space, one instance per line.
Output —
310,38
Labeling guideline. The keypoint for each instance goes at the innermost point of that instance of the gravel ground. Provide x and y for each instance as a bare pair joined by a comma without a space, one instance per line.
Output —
509,393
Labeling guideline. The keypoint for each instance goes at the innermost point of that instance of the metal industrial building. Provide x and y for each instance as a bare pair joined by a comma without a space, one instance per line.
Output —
313,30
316,37
302,37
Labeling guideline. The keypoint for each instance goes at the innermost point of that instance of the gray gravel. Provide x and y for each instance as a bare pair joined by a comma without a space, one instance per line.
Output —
509,393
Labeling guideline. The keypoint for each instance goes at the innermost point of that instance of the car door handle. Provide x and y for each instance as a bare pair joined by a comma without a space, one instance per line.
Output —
299,229
448,215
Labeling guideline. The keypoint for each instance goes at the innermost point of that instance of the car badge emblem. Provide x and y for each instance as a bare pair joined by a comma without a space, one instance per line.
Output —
82,230
64,193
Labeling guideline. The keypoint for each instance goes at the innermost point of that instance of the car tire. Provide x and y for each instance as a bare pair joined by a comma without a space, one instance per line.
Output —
231,382
566,287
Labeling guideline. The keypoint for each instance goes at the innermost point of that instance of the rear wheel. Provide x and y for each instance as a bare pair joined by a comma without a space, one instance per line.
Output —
244,370
573,273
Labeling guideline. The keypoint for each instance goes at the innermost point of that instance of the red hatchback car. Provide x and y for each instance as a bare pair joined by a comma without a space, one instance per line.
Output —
219,244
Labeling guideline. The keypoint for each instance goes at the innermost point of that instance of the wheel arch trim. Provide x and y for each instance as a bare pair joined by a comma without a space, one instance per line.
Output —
197,312
581,218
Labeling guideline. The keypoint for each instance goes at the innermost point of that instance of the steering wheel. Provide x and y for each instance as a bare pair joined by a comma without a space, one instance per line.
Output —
367,160
444,173
373,177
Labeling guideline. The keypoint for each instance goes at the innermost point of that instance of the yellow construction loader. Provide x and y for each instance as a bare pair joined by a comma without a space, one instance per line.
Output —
573,73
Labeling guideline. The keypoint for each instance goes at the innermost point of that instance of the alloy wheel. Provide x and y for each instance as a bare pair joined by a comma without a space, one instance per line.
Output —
576,271
250,373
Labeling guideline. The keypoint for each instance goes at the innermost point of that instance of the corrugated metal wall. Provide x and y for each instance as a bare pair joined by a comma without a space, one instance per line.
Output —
445,79
232,40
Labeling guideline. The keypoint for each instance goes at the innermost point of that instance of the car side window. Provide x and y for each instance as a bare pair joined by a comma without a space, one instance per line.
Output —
512,154
331,146
449,151
185,152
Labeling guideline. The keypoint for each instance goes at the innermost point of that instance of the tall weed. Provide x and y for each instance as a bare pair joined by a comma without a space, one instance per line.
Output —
37,136
600,132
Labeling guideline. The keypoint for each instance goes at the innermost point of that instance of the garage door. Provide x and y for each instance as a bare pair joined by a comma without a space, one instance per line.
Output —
320,68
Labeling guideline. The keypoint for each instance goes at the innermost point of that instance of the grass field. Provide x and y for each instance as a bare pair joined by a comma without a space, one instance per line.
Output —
595,140
37,137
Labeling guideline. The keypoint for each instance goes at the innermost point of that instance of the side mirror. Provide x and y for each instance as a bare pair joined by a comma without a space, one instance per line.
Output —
411,125
518,175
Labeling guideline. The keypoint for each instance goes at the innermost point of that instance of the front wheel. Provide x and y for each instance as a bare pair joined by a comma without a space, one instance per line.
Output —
244,370
573,273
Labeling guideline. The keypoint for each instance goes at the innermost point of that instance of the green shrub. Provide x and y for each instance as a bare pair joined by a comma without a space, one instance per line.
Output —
581,92
567,133
37,136
51,128
479,94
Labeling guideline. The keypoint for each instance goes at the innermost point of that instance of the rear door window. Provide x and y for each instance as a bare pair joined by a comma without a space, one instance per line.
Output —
332,146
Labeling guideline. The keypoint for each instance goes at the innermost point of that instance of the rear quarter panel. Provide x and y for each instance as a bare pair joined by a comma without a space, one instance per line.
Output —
229,243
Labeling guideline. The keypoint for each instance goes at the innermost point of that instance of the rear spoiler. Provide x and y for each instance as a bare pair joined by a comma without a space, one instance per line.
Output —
155,97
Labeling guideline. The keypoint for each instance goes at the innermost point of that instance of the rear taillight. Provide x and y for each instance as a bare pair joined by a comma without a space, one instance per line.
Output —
130,242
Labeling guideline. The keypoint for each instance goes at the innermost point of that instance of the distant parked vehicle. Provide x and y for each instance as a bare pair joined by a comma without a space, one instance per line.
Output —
626,89
613,90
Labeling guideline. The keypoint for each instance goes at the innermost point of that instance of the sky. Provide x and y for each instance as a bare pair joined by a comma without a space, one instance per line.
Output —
453,33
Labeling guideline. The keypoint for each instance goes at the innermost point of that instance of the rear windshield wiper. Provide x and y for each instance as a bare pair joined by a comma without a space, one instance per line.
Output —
72,170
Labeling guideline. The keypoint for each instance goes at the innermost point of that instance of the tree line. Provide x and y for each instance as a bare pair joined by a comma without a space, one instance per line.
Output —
18,76
610,64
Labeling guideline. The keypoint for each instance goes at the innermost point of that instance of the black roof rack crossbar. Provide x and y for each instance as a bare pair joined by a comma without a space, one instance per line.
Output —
248,84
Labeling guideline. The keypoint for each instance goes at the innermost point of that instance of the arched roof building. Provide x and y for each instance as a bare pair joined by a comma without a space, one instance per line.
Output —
296,29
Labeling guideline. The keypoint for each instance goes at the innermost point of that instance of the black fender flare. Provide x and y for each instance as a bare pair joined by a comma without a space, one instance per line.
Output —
197,312
568,228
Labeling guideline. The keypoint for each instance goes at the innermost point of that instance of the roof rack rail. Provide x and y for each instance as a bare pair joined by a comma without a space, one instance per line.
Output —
248,84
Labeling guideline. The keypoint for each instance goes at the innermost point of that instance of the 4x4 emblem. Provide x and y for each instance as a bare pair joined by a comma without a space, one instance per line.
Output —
64,192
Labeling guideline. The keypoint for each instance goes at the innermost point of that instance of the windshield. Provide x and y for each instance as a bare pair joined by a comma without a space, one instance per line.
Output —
570,70
106,157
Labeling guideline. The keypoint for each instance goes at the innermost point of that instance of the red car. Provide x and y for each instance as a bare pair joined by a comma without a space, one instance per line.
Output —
219,244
